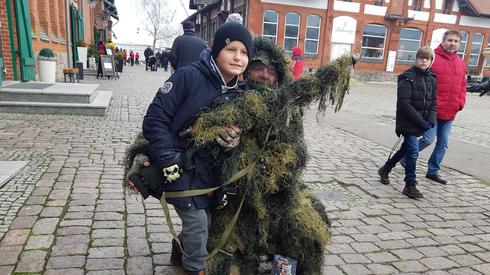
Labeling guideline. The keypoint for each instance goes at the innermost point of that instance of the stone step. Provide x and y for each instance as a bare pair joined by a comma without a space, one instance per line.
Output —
47,92
97,107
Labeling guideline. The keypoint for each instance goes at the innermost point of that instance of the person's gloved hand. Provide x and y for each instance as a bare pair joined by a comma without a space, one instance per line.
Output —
229,137
139,161
480,87
426,125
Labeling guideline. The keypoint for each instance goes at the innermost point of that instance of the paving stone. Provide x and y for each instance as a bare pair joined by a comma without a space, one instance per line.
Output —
139,265
108,233
40,242
161,259
9,254
73,230
340,248
30,210
136,232
364,247
63,262
15,237
465,260
70,271
452,249
464,271
329,259
331,270
23,222
138,247
6,269
410,266
106,272
108,224
439,263
483,268
72,239
69,249
51,212
31,261
381,269
108,242
105,264
407,254
431,251
106,252
354,258
45,226
355,269
381,257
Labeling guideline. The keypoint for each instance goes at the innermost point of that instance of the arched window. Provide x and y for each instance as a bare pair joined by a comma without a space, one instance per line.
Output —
475,49
312,34
291,31
408,44
270,24
373,41
462,45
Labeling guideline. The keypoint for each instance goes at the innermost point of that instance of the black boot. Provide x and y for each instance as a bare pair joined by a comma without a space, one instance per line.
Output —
383,173
411,190
176,256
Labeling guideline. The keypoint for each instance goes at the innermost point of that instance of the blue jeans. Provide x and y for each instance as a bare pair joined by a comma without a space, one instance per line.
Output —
442,130
410,151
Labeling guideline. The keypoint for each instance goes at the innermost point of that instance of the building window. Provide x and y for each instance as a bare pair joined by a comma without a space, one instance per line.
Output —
487,60
475,49
312,34
291,31
373,42
378,2
417,5
408,44
448,5
462,45
270,24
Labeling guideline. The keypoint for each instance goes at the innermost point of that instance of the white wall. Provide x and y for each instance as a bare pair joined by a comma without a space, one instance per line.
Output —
419,15
317,4
346,6
474,22
375,10
445,18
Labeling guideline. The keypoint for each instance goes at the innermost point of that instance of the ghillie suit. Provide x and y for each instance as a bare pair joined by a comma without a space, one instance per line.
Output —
279,215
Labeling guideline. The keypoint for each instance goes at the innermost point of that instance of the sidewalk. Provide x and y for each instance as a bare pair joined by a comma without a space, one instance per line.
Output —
66,211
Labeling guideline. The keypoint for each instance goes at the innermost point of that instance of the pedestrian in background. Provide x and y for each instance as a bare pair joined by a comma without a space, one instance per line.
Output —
298,65
187,47
164,59
415,113
137,56
131,58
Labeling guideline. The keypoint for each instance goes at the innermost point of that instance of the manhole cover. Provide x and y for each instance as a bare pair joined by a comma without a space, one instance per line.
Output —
29,85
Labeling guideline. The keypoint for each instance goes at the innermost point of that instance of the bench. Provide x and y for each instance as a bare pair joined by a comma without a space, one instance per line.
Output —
72,73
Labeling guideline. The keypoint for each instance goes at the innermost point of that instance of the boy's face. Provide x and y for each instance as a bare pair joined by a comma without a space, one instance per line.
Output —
232,60
423,62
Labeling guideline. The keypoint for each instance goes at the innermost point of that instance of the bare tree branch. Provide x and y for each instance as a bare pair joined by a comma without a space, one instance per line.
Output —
158,21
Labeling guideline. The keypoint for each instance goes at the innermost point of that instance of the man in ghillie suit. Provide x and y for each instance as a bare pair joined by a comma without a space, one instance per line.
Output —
277,212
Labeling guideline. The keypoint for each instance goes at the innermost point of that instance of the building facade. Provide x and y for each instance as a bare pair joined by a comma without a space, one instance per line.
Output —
27,26
386,33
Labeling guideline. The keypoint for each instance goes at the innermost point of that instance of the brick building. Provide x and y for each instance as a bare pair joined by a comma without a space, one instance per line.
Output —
27,26
386,33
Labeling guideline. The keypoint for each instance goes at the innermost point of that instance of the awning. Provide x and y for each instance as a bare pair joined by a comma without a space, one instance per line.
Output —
111,8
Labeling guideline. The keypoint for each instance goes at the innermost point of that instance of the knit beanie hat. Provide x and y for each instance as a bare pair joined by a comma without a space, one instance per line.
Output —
229,32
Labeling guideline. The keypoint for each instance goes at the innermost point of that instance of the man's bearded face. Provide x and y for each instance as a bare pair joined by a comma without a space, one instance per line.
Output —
265,74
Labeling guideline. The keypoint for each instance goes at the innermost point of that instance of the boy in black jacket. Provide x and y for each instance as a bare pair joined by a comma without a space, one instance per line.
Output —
416,109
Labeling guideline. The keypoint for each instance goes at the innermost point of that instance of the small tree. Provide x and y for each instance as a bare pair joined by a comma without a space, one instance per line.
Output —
158,21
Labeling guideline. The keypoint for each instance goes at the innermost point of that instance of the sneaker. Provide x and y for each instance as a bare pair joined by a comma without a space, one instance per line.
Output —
436,178
383,173
411,190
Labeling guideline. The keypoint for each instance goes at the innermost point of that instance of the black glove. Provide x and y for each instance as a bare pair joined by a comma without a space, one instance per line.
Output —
426,125
480,87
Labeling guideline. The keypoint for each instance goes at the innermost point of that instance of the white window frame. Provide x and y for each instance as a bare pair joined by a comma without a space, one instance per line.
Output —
487,59
462,54
479,51
271,23
317,38
286,26
384,43
406,39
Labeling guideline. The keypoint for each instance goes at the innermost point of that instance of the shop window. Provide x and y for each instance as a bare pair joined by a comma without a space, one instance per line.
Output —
270,24
462,45
312,34
408,44
373,42
475,50
291,31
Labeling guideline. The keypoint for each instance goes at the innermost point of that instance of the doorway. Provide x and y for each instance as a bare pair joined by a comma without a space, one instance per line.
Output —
339,49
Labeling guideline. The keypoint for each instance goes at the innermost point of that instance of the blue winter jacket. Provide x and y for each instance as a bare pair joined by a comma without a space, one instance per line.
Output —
177,104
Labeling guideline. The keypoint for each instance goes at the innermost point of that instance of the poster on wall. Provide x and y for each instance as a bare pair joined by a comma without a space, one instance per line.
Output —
390,64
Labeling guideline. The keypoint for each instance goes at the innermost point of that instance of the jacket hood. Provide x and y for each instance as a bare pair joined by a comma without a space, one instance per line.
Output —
439,51
413,72
297,51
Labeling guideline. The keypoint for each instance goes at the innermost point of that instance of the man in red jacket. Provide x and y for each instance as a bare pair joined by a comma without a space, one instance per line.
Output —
451,96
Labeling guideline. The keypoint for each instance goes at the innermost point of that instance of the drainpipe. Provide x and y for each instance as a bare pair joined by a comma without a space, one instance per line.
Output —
67,32
11,36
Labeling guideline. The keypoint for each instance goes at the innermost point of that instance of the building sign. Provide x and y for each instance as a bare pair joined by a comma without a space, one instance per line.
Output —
390,64
344,30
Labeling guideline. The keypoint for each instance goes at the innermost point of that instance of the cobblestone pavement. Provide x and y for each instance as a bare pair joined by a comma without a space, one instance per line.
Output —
66,212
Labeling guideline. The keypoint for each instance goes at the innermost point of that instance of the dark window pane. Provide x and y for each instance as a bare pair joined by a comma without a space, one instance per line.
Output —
376,30
270,16
313,21
464,36
410,34
462,47
477,38
406,56
372,53
291,31
473,61
312,33
475,48
270,29
292,18
311,46
408,45
289,43
373,42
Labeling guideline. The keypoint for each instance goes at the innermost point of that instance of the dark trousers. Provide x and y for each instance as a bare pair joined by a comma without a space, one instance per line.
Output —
410,151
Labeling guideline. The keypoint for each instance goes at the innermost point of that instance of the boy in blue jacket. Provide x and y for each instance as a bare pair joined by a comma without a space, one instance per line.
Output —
416,110
176,106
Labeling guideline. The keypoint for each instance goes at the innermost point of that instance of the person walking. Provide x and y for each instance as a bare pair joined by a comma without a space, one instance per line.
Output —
137,56
131,57
298,65
164,59
187,47
451,98
415,113
125,56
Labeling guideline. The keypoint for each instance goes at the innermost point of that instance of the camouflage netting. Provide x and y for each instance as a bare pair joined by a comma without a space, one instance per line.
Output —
279,215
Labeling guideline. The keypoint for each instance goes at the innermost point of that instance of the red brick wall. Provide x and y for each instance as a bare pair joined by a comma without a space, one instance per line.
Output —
6,49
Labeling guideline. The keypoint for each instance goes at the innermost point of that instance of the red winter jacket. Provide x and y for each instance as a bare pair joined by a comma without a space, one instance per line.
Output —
451,83
298,65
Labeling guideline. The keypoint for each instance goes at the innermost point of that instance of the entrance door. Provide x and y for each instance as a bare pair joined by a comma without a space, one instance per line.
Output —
27,61
339,49
1,57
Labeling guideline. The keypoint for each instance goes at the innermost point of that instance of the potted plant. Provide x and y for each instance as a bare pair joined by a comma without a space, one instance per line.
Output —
119,61
93,54
82,52
47,65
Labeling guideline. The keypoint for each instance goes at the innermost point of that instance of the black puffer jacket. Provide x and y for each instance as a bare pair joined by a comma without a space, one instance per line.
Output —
416,101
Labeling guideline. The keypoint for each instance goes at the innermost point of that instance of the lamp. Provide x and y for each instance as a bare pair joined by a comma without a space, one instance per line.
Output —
92,3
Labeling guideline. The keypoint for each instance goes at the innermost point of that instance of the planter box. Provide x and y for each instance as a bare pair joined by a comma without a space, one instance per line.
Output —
82,56
47,71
